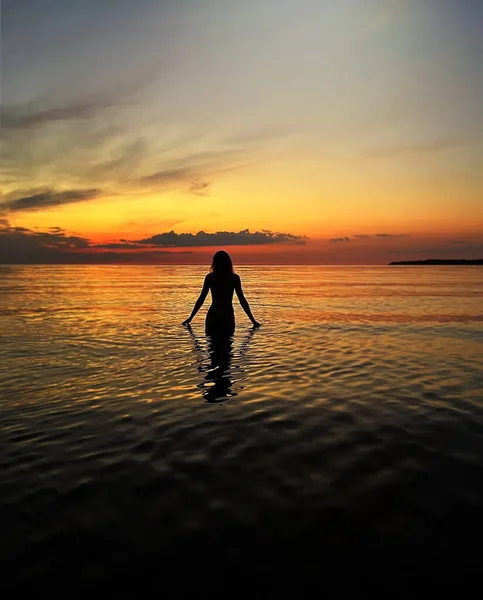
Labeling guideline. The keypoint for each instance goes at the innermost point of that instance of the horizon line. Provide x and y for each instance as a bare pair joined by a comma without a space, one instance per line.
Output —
240,264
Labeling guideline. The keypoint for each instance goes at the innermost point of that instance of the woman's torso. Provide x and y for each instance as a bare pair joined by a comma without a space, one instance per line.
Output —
222,288
220,319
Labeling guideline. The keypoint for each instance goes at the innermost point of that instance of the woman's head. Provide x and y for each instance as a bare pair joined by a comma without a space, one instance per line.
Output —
222,264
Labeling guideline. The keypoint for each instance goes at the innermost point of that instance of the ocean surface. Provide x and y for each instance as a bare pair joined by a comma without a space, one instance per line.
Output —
346,434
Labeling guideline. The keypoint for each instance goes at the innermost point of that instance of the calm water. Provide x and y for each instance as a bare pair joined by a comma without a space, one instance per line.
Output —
347,430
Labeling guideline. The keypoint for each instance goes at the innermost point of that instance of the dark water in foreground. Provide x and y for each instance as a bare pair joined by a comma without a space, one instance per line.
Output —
341,441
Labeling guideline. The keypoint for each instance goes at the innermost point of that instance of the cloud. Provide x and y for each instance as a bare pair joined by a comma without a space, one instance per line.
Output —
186,175
195,170
392,235
456,242
166,175
199,188
147,223
220,238
120,246
36,200
340,239
359,236
33,115
22,245
136,153
19,245
14,118
129,159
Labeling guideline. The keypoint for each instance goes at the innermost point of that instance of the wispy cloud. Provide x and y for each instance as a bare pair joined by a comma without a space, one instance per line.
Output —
363,236
340,239
120,246
125,163
391,235
199,188
148,223
13,118
195,170
32,200
220,238
37,113
187,176
167,175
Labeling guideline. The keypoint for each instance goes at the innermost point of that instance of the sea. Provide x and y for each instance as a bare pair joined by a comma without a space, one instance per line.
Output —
341,442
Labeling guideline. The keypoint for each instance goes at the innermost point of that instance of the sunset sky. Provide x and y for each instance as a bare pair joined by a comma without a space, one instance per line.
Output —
287,131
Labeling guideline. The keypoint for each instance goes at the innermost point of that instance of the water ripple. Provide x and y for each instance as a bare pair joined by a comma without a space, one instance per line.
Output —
347,425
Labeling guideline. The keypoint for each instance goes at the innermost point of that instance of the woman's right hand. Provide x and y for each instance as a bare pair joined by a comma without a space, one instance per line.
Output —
187,322
256,324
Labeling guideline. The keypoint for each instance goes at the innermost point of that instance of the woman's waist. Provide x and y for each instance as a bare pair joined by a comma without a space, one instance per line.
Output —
222,307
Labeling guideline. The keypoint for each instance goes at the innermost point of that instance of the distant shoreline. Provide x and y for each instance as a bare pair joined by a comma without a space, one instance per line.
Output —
435,261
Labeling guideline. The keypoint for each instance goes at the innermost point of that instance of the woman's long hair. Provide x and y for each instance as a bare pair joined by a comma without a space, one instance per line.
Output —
222,265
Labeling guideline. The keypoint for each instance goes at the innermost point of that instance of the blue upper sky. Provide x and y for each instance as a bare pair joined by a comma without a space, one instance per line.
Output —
296,62
374,103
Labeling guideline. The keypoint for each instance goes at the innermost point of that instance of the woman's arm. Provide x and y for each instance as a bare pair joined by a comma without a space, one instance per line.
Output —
199,302
243,301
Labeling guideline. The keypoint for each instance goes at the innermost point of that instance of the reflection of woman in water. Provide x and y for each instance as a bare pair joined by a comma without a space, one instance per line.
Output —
219,373
222,281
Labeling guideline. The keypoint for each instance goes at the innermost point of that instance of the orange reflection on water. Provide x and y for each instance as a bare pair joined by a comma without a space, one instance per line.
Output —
105,332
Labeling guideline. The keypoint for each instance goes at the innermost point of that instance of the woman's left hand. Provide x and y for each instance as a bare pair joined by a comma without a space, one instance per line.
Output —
187,322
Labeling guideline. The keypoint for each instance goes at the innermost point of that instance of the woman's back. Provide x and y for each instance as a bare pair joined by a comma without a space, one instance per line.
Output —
222,288
222,281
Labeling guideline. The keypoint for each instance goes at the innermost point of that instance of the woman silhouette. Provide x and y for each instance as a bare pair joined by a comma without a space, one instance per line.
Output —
222,281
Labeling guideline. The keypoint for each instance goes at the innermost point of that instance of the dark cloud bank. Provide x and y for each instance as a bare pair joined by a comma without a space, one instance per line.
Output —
19,245
220,238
